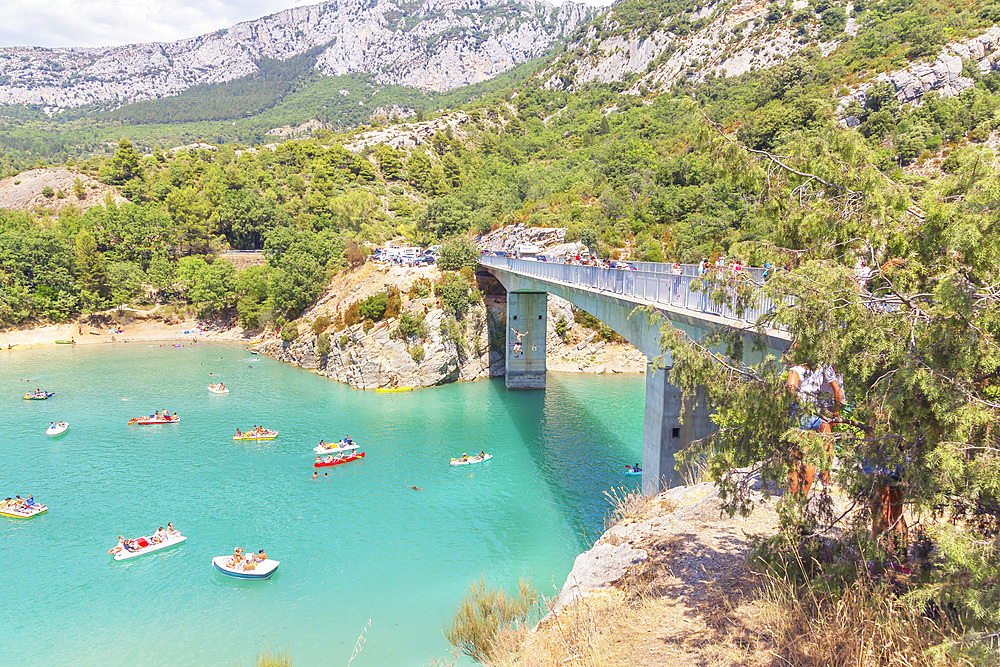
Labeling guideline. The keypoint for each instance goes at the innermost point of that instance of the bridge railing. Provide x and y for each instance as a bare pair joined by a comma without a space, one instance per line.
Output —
656,286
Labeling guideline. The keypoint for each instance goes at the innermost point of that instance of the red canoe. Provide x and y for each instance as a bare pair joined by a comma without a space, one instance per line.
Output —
333,462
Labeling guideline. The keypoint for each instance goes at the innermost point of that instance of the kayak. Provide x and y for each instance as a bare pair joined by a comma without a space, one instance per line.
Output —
216,390
337,460
335,449
26,513
263,570
390,390
270,435
33,397
64,342
147,546
57,429
464,461
146,421
629,471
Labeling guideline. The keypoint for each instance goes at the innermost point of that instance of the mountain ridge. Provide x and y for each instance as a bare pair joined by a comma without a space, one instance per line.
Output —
430,46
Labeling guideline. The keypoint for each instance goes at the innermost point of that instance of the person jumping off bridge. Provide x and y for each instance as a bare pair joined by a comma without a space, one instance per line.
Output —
517,343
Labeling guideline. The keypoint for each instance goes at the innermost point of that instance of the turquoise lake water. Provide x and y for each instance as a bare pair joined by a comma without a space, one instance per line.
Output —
358,546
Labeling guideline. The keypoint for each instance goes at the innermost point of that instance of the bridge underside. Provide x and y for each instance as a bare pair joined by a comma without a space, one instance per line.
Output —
671,422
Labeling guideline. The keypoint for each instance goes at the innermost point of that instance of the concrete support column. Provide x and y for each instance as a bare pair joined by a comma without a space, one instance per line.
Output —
663,434
526,312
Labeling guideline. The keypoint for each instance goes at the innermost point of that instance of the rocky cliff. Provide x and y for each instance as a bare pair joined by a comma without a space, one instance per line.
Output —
433,45
377,358
658,49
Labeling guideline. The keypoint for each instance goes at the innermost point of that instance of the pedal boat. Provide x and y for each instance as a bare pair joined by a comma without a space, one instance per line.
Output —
215,389
264,569
336,449
26,513
270,435
150,547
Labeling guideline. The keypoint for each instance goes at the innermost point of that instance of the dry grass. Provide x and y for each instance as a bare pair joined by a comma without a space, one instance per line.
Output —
267,658
864,625
625,505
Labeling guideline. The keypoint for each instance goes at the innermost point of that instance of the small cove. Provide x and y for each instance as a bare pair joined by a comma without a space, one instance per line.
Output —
358,546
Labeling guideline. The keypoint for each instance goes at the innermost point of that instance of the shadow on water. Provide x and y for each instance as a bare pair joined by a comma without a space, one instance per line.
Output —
577,456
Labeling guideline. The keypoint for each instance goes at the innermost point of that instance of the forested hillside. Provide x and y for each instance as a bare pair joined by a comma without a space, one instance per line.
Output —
814,164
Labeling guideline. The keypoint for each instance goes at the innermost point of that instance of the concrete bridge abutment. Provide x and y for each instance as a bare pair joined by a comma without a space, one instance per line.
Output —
671,422
526,329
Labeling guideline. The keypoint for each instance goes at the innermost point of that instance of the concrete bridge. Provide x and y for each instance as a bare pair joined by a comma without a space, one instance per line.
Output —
612,296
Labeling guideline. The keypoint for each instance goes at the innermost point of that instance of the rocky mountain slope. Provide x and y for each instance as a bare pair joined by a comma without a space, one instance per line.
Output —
651,49
433,46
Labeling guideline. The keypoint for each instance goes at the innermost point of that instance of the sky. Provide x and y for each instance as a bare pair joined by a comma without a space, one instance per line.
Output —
115,22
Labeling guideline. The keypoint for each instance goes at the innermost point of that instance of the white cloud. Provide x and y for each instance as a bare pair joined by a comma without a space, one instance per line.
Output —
114,22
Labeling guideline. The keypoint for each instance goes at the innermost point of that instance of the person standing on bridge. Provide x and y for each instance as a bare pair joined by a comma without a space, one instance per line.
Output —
676,270
517,343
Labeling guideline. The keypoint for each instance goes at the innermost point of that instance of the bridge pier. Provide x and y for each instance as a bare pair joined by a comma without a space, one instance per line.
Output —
664,434
526,312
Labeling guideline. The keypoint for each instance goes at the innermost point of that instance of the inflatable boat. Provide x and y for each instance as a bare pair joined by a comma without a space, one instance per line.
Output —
38,397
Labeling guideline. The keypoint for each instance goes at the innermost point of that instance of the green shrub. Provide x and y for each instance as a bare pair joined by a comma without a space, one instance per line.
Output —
48,192
484,612
289,332
562,327
456,294
368,325
417,353
411,324
453,331
393,302
420,289
373,308
344,340
457,252
352,315
323,344
320,324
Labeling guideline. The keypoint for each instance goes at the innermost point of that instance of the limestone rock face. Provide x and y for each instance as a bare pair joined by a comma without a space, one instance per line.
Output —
944,75
434,45
371,360
734,38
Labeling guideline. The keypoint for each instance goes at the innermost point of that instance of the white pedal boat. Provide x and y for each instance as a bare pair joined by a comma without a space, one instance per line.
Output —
125,554
336,449
466,460
216,390
26,513
56,429
264,569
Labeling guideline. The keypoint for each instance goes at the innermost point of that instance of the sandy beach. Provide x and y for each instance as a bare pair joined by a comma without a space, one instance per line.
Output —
137,331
